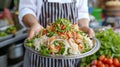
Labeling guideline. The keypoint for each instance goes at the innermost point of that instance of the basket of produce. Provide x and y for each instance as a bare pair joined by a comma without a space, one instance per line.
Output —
61,44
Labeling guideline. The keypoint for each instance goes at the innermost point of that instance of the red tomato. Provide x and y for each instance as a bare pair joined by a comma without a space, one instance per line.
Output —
106,65
109,61
93,66
102,57
105,60
112,65
115,61
118,65
94,62
101,65
63,27
68,35
44,32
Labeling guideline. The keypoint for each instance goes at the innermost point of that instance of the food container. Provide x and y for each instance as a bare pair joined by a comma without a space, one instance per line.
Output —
19,31
35,59
3,60
15,51
6,37
112,8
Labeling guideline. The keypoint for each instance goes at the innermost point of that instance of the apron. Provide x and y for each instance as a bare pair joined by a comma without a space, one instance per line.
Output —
51,11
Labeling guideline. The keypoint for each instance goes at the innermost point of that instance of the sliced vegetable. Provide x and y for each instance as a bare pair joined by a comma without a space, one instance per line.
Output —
61,38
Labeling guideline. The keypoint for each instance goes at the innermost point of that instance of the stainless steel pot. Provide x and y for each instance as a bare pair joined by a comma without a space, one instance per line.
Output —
15,51
3,60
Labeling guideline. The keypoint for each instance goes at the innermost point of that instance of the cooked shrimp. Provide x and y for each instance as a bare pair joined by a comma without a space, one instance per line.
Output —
51,38
53,48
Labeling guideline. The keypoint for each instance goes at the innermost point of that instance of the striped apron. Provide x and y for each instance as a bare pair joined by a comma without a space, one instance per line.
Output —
50,12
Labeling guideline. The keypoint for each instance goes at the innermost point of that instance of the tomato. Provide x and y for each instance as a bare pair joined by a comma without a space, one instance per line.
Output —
94,62
102,57
101,65
105,60
109,61
106,65
63,27
93,66
44,32
68,35
115,61
118,65
111,65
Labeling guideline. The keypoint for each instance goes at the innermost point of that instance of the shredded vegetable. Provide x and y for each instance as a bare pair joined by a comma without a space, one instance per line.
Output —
61,38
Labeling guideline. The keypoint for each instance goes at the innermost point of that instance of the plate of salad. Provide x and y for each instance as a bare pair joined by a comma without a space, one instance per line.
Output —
62,39
7,33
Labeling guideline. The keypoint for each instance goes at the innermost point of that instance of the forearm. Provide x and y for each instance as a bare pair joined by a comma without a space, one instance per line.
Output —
83,22
29,20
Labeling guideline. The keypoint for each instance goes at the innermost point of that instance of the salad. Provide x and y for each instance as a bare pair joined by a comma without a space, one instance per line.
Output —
61,38
9,30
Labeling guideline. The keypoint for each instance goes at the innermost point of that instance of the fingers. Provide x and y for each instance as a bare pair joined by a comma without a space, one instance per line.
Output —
34,31
30,34
91,33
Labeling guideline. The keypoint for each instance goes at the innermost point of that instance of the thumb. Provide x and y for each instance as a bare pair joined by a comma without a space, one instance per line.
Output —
91,33
30,34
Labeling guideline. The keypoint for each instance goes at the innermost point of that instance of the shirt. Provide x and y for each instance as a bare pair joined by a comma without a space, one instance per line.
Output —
34,7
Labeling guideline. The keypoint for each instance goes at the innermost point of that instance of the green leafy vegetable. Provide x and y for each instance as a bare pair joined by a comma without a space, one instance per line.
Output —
62,25
110,46
61,51
11,30
50,34
44,50
2,34
29,43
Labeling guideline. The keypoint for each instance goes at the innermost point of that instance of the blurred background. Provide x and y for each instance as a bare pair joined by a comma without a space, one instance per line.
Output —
103,14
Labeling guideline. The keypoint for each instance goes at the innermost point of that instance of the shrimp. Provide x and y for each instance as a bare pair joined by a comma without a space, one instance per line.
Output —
74,47
51,38
53,48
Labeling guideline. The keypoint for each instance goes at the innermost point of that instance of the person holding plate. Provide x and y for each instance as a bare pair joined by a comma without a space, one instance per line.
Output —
37,14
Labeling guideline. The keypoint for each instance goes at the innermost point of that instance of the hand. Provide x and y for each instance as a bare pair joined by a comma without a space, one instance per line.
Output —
89,31
35,28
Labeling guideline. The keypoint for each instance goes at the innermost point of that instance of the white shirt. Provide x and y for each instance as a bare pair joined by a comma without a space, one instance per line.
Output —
34,7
